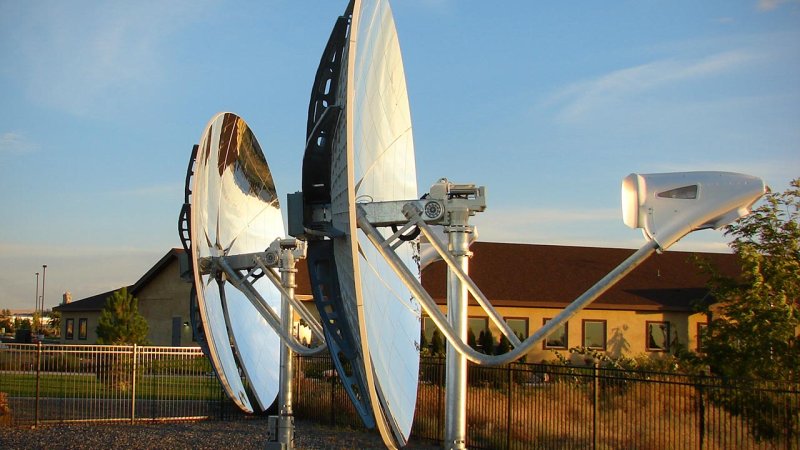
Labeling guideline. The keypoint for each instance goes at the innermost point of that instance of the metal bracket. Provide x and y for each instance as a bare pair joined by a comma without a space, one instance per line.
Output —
184,220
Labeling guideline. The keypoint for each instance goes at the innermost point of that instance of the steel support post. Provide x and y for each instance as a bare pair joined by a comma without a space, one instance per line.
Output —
286,421
456,363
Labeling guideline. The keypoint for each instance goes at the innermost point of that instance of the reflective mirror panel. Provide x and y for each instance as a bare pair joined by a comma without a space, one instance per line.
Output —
376,163
235,210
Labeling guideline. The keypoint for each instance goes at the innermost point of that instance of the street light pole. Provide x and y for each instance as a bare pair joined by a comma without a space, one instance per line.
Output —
36,300
44,275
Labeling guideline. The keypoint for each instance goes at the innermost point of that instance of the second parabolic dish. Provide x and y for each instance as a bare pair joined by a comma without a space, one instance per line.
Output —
235,210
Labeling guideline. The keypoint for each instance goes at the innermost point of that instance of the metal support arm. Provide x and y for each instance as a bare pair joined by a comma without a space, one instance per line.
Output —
301,309
266,262
266,311
432,309
414,216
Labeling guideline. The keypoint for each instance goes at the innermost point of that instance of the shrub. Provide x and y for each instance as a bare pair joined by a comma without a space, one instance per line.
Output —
5,410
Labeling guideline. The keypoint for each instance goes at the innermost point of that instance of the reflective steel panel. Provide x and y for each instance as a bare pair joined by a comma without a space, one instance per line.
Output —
376,163
235,210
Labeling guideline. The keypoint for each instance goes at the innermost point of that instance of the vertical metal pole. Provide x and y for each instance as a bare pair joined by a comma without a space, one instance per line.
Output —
456,365
38,376
595,402
44,275
36,307
133,386
509,402
701,406
286,420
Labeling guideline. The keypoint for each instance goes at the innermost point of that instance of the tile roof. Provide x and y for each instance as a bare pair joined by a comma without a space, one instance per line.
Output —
529,275
93,303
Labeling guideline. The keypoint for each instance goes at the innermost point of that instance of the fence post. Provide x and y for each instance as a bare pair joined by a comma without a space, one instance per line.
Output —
509,408
133,386
701,406
788,420
333,393
439,398
595,402
38,376
222,399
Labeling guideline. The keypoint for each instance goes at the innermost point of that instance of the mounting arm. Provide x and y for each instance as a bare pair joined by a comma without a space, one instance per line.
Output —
430,307
266,262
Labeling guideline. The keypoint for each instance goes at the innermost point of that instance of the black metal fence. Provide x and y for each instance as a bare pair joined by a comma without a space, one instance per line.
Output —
523,406
519,406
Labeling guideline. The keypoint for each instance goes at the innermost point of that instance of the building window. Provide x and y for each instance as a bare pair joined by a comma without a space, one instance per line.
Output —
83,326
701,333
558,338
428,328
69,330
477,326
519,327
657,334
594,334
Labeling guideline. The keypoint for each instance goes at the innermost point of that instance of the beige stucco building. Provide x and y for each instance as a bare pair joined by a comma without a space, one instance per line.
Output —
163,301
651,311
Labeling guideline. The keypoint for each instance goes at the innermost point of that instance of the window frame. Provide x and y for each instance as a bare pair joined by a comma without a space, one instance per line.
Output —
605,333
547,346
425,322
83,328
527,332
69,329
485,321
647,347
701,327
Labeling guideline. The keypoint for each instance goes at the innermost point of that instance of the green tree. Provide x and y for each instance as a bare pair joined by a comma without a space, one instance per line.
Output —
486,342
120,322
6,321
503,346
423,343
471,341
754,319
36,324
22,330
54,326
437,344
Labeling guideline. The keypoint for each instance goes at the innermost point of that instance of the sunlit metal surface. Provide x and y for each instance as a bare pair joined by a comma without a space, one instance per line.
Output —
235,210
376,163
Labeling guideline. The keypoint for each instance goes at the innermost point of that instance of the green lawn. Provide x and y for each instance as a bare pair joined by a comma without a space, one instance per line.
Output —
82,385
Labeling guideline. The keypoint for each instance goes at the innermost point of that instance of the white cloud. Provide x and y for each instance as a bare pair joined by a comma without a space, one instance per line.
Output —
532,225
584,227
769,5
583,98
12,143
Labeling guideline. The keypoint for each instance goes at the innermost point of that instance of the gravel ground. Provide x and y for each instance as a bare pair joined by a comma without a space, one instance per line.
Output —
183,435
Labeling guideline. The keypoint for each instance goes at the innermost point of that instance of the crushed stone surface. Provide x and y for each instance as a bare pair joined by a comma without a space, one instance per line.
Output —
241,434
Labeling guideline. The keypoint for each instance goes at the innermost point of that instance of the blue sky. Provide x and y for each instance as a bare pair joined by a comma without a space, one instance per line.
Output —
548,104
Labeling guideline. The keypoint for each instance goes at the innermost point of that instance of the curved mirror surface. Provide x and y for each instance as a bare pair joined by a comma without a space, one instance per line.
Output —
379,166
235,210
